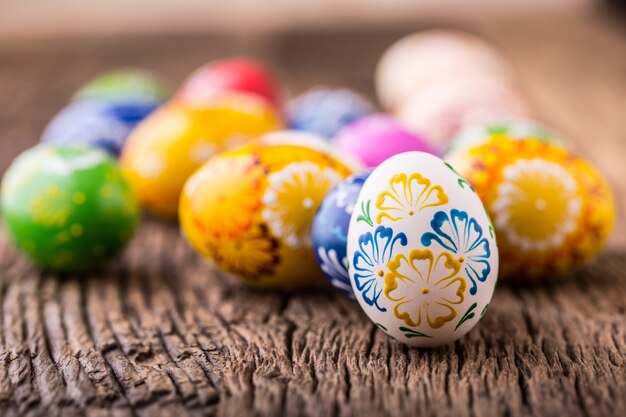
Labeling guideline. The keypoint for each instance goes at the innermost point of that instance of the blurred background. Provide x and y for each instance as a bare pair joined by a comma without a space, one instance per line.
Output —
569,55
27,18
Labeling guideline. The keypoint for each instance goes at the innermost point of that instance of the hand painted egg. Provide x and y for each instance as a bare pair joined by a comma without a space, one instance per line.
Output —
330,231
250,209
126,84
375,138
325,111
67,208
440,110
423,259
476,133
551,209
97,124
237,74
167,147
418,60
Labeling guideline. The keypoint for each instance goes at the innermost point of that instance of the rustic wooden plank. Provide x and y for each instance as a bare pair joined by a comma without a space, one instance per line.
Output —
160,332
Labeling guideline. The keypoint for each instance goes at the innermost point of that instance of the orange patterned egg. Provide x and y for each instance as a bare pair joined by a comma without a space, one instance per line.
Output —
552,211
250,209
165,149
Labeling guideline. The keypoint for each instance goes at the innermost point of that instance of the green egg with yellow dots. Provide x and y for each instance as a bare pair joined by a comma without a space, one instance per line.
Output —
67,208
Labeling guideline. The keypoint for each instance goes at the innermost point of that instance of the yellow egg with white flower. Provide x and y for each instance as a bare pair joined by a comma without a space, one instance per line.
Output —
249,210
552,211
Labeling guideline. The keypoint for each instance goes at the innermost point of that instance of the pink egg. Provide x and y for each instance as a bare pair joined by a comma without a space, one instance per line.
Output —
377,137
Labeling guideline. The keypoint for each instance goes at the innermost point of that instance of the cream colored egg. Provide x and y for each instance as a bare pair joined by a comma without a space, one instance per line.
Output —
418,60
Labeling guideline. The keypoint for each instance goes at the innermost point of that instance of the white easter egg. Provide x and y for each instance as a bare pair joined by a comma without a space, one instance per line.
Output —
423,258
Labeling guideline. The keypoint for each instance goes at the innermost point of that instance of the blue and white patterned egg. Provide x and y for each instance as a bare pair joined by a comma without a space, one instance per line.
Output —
325,111
97,124
422,253
329,231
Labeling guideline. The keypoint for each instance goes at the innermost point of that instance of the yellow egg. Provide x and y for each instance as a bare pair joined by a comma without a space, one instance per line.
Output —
165,149
250,209
552,211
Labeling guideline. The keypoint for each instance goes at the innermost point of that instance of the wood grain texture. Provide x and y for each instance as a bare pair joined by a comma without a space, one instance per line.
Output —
160,333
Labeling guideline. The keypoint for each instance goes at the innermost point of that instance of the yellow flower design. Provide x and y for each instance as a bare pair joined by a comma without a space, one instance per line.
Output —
224,194
537,204
292,198
424,287
407,195
251,255
484,167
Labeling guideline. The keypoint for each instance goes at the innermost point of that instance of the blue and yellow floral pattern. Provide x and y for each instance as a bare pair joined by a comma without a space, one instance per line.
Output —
370,262
423,263
461,234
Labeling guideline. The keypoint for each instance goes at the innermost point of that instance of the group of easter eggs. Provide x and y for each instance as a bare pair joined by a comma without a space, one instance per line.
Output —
282,195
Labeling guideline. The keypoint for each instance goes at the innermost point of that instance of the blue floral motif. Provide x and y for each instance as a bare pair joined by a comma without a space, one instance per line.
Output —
370,262
462,235
329,231
335,269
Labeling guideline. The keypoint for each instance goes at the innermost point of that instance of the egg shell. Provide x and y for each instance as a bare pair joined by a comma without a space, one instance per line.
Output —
440,110
97,124
67,208
167,147
551,209
414,62
376,137
122,85
325,111
237,74
423,259
329,231
476,133
249,210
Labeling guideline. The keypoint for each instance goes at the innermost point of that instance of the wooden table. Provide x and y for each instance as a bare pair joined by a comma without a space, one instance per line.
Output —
160,332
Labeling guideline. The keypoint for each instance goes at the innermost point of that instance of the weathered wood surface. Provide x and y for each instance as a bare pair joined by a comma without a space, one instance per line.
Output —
160,333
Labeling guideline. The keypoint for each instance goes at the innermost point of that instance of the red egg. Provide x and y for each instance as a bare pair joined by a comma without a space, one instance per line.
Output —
237,74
